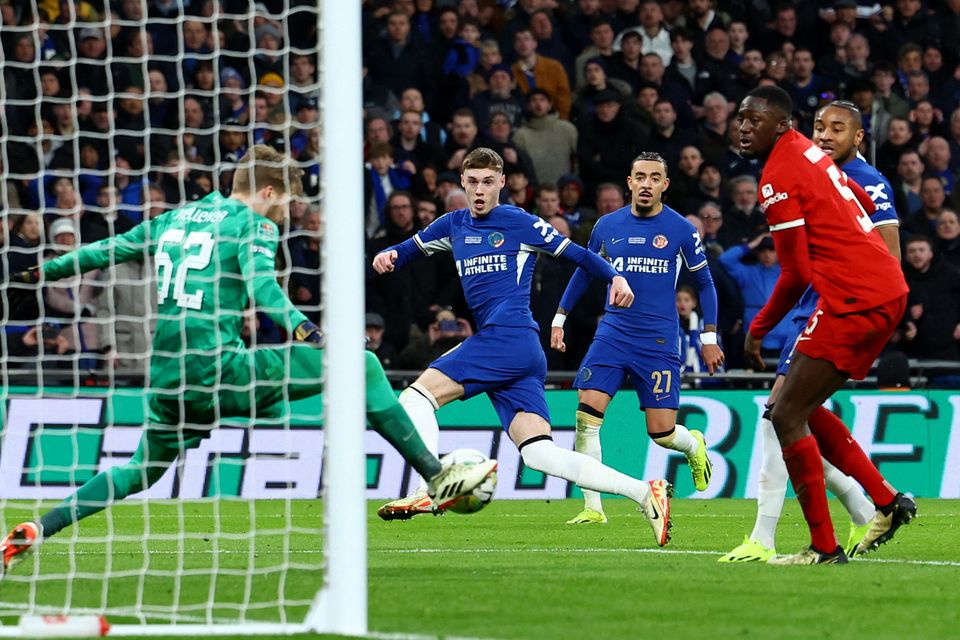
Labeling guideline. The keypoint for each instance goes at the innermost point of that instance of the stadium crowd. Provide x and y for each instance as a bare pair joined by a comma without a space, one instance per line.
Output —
118,111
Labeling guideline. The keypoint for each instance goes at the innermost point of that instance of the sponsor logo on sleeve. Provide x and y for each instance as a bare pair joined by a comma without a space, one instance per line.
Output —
766,190
267,231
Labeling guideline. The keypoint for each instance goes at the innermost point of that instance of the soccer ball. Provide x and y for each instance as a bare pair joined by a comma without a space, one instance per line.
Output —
480,496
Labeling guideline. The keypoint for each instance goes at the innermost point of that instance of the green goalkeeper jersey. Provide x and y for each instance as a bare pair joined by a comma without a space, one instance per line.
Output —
212,259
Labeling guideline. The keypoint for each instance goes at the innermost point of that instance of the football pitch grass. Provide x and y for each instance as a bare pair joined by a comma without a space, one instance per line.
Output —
514,570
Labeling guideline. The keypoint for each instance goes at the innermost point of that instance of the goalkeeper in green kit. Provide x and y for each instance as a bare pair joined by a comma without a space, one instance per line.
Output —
213,258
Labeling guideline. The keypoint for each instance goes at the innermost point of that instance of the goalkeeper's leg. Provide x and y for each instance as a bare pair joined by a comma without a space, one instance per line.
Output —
384,412
157,450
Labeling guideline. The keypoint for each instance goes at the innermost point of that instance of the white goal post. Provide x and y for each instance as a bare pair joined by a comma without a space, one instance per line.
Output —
338,560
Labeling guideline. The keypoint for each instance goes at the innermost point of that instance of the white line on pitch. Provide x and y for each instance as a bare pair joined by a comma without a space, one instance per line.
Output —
491,550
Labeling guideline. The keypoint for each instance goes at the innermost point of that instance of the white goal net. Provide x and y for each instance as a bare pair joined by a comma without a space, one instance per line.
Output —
115,112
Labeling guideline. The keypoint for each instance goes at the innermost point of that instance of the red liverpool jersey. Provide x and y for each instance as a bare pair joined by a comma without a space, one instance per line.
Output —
848,265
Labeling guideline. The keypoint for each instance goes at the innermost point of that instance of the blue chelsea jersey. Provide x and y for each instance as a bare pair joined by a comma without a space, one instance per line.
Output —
880,191
495,255
648,252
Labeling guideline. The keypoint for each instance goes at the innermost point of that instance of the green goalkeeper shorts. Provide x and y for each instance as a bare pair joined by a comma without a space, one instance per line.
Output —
253,385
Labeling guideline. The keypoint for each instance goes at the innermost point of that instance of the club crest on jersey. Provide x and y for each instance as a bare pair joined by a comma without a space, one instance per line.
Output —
766,190
660,241
586,374
496,239
266,231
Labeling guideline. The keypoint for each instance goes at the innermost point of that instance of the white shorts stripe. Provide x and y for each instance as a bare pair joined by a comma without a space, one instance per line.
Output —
799,222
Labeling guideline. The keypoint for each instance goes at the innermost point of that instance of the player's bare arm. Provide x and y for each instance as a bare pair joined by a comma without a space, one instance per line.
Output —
556,331
711,353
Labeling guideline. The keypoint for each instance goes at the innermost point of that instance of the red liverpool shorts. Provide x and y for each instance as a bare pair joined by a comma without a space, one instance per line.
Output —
852,341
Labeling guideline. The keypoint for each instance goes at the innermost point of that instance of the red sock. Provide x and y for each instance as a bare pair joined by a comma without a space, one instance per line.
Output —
842,451
806,474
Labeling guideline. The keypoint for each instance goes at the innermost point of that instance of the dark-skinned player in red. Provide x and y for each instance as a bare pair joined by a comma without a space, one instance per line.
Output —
823,235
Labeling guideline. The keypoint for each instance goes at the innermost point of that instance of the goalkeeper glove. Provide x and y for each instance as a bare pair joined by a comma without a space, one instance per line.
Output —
30,276
306,331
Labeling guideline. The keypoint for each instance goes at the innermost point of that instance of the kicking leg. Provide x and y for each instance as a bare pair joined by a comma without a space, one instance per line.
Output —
531,433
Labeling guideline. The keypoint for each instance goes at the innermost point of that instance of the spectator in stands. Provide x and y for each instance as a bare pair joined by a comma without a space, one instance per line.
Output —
519,191
932,197
653,71
739,35
933,304
412,100
374,330
747,77
701,18
456,199
948,237
400,61
954,139
579,218
501,141
684,67
756,281
717,58
609,198
446,332
383,178
936,159
911,24
667,138
709,186
806,88
25,243
906,184
596,81
549,141
489,57
464,136
601,46
412,152
742,218
305,263
711,219
625,64
578,23
303,84
608,143
533,71
655,38
378,131
548,203
427,211
683,183
378,100
899,138
501,97
712,129
73,301
549,42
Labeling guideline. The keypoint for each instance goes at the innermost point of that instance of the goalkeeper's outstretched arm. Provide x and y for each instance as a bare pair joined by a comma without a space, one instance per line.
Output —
98,255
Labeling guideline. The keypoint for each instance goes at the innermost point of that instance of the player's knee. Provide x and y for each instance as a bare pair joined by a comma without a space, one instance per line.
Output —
373,366
537,452
417,394
588,418
784,419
